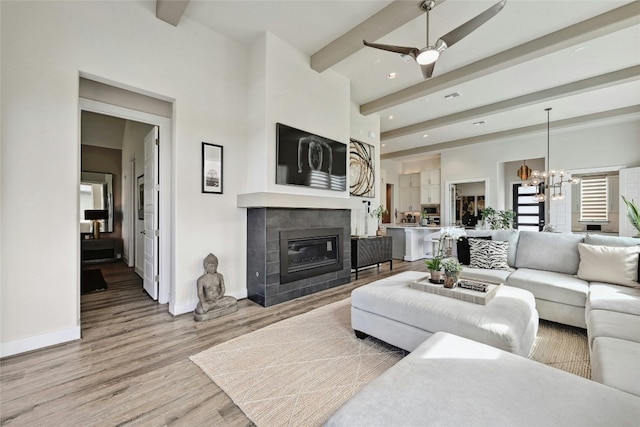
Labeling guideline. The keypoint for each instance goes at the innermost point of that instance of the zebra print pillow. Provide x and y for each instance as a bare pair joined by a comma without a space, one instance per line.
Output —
488,254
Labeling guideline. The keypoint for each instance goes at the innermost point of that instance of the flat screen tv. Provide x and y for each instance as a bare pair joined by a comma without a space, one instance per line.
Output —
310,160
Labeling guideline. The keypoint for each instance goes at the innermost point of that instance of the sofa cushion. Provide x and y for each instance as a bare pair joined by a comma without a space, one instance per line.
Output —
618,265
551,286
606,296
599,239
510,236
603,323
557,252
614,362
462,246
488,254
484,275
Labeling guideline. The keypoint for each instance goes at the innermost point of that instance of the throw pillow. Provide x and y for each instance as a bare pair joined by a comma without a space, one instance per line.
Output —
609,264
462,246
488,254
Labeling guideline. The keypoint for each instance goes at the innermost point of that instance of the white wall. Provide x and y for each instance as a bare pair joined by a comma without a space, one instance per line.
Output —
45,45
361,129
284,89
596,145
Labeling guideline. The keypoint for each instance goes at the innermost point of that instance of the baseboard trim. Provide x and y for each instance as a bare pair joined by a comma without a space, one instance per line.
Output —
23,345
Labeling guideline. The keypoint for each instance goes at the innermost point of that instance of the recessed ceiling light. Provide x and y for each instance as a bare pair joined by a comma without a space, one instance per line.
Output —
425,136
452,95
391,117
384,145
481,122
392,76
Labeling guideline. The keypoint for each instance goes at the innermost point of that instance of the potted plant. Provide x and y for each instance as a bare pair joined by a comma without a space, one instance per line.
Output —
633,213
452,270
377,213
498,220
435,268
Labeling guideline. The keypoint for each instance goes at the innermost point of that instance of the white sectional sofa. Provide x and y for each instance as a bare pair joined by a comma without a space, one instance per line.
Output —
557,270
450,380
453,381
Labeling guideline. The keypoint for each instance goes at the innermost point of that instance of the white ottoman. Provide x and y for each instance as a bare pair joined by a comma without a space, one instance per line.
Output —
388,309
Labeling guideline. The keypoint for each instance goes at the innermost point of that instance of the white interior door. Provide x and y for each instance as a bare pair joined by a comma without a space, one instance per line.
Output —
630,189
560,210
150,278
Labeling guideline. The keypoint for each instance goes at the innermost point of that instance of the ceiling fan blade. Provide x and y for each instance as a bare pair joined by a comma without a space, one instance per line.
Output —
427,70
397,49
465,29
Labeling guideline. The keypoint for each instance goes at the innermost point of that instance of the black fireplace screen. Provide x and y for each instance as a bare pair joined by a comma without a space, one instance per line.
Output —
308,253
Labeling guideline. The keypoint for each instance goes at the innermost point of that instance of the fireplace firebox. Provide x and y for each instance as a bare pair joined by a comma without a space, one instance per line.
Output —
309,253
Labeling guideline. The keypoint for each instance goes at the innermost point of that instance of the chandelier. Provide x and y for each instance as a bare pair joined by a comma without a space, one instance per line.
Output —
552,181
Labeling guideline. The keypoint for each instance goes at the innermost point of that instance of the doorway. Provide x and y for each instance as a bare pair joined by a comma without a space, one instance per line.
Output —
164,272
529,212
386,217
467,199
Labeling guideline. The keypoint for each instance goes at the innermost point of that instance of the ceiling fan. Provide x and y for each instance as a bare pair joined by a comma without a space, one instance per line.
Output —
427,56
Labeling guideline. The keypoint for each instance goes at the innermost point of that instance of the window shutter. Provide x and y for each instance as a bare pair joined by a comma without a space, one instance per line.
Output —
593,198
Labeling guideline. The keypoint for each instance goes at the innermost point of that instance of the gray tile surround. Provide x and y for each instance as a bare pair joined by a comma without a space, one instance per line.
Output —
263,252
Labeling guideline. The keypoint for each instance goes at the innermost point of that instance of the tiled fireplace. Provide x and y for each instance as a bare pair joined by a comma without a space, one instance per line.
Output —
296,252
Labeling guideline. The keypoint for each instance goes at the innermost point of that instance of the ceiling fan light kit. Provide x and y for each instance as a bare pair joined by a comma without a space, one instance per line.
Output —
427,56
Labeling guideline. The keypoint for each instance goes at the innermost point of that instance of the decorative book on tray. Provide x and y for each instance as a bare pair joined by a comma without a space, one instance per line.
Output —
467,290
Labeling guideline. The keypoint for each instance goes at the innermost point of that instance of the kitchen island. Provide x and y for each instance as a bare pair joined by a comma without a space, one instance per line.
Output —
411,242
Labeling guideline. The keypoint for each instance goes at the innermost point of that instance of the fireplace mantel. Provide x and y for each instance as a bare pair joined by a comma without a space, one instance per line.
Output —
283,200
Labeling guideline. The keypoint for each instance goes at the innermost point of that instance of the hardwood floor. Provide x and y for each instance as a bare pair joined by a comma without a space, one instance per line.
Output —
132,365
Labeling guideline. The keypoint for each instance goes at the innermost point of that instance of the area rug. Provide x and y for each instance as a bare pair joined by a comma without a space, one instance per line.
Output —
91,281
297,372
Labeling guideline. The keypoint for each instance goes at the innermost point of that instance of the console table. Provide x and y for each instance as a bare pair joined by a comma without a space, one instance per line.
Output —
369,251
99,250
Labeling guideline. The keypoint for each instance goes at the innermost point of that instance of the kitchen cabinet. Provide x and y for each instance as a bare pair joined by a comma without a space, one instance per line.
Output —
410,180
409,199
430,177
430,194
430,187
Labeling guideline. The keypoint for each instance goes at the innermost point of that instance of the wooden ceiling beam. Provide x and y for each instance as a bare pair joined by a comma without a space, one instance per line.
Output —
382,23
171,11
606,23
593,83
632,111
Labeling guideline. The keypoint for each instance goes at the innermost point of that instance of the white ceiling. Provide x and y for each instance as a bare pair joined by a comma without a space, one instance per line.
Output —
309,25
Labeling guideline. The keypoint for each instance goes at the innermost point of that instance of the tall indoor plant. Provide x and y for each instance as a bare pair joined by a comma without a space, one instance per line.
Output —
498,220
633,213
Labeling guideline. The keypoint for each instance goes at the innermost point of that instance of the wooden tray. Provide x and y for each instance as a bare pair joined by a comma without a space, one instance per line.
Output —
467,295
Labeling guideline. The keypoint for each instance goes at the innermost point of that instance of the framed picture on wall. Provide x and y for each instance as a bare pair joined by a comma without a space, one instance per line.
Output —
212,168
361,169
140,182
310,160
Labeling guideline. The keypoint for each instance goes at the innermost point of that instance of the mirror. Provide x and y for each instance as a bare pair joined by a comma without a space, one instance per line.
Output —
96,192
